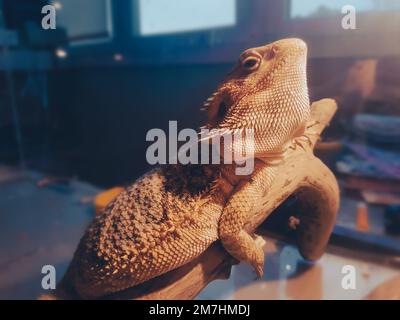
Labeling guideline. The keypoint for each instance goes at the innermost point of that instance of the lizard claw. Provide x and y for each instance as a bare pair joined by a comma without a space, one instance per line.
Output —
314,123
258,261
301,139
258,266
259,241
296,142
259,271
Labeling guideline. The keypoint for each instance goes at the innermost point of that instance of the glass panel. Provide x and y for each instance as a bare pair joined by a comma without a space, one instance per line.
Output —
91,22
171,16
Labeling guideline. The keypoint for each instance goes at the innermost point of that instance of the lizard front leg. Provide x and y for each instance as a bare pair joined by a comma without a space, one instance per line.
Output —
239,208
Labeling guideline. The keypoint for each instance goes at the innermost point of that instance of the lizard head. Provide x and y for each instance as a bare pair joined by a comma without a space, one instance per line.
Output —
266,91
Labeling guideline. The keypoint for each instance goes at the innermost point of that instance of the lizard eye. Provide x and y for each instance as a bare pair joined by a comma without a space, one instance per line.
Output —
251,63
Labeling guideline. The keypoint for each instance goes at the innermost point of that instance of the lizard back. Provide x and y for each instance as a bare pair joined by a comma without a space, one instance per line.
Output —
146,230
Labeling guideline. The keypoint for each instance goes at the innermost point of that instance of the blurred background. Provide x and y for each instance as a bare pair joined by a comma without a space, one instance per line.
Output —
76,103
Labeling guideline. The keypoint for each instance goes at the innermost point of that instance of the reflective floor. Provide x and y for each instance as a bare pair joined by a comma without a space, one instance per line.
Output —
288,276
38,226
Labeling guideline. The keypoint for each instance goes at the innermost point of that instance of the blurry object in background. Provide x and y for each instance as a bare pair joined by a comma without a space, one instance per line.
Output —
320,8
49,181
362,223
367,161
8,174
385,98
2,21
370,164
174,16
392,219
378,129
118,57
8,38
86,200
91,23
57,183
105,197
28,48
17,13
57,4
330,146
319,23
364,89
38,38
373,151
382,198
61,53
361,78
25,60
25,17
378,185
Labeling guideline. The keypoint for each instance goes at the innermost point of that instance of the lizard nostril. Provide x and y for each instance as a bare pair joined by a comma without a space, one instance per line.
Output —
272,52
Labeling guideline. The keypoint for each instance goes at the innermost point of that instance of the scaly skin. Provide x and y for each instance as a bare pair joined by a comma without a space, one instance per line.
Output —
173,213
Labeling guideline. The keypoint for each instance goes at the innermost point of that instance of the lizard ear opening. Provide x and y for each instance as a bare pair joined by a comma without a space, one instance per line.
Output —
222,110
218,109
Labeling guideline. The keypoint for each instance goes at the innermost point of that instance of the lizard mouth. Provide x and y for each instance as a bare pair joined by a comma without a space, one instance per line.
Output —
217,107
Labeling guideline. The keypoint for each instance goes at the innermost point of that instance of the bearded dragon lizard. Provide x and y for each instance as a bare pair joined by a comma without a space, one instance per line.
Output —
173,213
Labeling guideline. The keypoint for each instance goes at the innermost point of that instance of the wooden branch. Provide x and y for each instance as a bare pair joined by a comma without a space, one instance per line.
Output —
302,174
